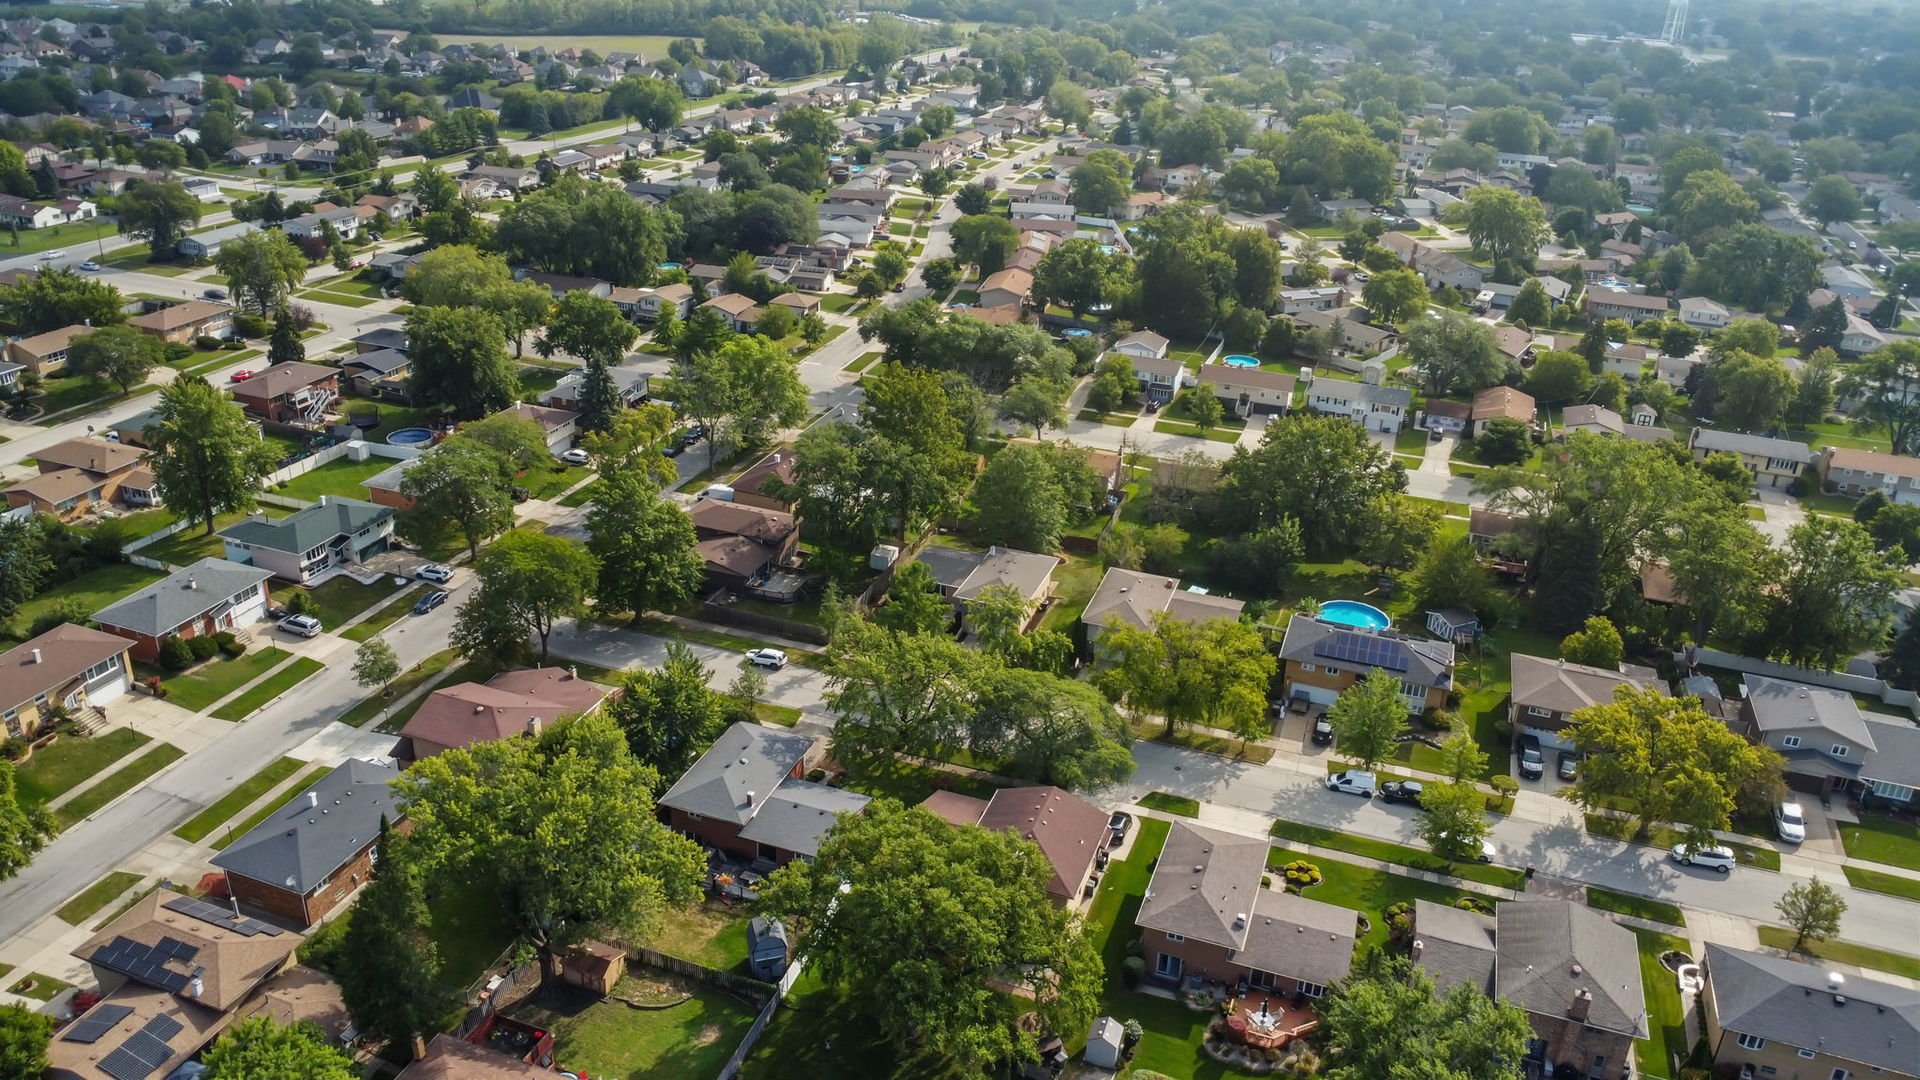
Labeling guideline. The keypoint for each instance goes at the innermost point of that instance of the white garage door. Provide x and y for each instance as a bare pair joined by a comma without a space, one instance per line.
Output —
1319,695
1551,740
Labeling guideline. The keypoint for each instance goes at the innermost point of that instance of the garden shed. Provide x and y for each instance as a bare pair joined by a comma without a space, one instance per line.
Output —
595,967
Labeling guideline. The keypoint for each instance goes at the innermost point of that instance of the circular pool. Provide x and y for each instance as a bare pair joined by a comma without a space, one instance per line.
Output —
410,436
1237,360
669,266
1354,613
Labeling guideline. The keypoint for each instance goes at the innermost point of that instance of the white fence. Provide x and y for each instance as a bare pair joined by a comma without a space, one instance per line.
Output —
334,453
1836,680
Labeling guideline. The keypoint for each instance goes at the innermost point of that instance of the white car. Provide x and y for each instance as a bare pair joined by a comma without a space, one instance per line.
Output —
302,625
575,456
1486,848
1712,858
1354,782
1789,822
435,572
49,256
89,265
767,658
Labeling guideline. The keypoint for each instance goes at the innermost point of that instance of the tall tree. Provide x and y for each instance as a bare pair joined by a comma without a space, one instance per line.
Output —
1830,601
1050,729
1391,1022
1880,382
1720,565
24,828
1319,469
285,346
1505,224
24,1037
51,299
207,458
464,488
1597,644
1394,295
925,923
1751,393
259,1049
1213,674
896,693
589,327
535,580
742,393
460,360
159,214
117,354
669,716
914,603
644,543
262,268
24,562
1811,908
387,966
1455,355
560,830
1368,717
1455,821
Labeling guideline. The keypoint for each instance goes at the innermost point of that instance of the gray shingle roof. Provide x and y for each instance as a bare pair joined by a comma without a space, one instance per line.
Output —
1551,950
1299,938
1456,945
1416,660
745,759
1896,751
1563,687
1203,880
309,528
1710,439
184,595
305,841
798,813
1789,1002
1779,705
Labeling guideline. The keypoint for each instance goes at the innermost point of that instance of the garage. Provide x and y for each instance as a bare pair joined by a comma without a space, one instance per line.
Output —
1550,740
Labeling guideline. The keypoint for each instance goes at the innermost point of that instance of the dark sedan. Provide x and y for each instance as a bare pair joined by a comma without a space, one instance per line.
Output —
1406,791
433,598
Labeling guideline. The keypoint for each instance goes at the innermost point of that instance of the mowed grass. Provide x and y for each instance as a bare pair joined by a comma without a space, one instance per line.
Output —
339,600
1387,851
598,1037
1881,839
1640,906
197,688
201,825
370,707
1666,1019
713,934
469,931
94,590
269,688
57,769
96,896
1880,881
305,781
1171,804
339,477
1661,836
1370,891
119,783
1845,952
398,609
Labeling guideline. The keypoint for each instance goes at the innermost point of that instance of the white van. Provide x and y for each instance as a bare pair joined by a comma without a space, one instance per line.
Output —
1353,782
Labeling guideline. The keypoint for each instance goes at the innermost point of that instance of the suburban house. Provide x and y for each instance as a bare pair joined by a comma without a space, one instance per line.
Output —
175,972
964,575
78,474
1376,408
1830,745
1774,463
1069,830
1704,314
375,373
746,797
69,667
1252,391
1775,1016
1143,343
1498,403
1133,598
307,857
1859,472
741,543
1575,972
1206,915
383,487
448,1058
750,487
183,322
1006,287
205,598
1633,308
1676,370
206,245
1160,376
46,354
308,545
1546,693
1319,659
629,388
518,702
291,393
738,309
558,425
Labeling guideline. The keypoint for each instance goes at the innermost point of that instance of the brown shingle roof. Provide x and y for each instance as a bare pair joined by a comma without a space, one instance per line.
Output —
469,713
66,652
450,1059
739,519
1503,401
179,315
231,964
1068,829
94,455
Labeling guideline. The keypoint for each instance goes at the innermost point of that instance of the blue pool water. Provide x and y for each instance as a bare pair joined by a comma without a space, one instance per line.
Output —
1237,360
1076,332
411,436
1354,613
669,266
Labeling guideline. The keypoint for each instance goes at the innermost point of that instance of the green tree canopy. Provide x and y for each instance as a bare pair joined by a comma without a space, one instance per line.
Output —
207,458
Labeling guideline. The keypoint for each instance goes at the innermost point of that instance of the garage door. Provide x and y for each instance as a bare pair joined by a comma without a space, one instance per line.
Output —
1319,695
1550,740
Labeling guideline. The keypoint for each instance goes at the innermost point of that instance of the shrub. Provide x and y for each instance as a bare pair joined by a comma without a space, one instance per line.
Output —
225,640
202,648
1300,875
176,350
1134,1031
1505,785
249,325
1440,719
14,748
297,601
175,654
70,610
1133,971
322,947
207,343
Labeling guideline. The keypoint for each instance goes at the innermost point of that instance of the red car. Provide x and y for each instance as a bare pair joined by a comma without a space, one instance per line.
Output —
241,376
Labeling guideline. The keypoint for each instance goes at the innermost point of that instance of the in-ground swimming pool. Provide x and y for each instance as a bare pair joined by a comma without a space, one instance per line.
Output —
669,266
1354,613
1237,360
410,436
1076,332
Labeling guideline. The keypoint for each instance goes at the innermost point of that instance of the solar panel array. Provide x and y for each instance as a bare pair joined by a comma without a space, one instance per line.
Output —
146,963
97,1022
143,1052
220,917
1366,649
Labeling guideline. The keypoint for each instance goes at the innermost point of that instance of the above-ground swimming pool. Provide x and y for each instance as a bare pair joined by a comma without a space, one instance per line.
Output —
410,436
1354,613
1237,360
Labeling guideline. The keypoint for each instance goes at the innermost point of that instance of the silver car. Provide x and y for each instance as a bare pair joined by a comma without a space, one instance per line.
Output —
301,625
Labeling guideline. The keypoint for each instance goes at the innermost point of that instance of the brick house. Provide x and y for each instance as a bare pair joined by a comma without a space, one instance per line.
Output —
1574,972
1546,693
1319,659
741,543
1069,830
309,544
1775,1016
289,393
78,474
1206,915
511,703
1134,598
182,323
1774,463
310,855
750,487
210,596
745,797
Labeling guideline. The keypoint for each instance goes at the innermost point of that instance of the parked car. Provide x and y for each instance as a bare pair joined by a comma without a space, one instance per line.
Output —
674,449
435,572
1485,854
1353,782
1569,764
1713,858
302,625
429,600
1322,731
1118,825
241,376
575,456
215,294
1789,822
90,265
1532,764
767,658
1407,791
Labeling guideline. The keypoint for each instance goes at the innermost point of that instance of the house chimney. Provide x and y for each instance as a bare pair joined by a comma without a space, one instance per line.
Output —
750,797
533,726
1581,1004
36,656
419,1046
1418,948
313,799
573,672
196,986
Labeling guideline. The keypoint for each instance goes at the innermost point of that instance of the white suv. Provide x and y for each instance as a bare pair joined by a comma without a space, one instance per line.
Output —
1712,858
1789,822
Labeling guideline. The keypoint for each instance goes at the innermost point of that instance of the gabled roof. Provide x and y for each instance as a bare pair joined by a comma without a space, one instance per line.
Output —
231,955
306,529
1840,457
93,455
1561,687
449,1058
1132,597
185,594
1204,882
53,660
502,707
1711,439
1865,1020
1068,829
1550,951
1456,945
1503,401
1418,661
302,844
796,814
281,379
744,765
738,519
1779,705
173,318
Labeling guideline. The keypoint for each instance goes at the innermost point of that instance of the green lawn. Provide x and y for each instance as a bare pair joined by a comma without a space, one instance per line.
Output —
338,477
269,688
1174,427
1238,749
96,896
1666,1021
39,987
1879,881
392,417
545,483
1845,952
609,1038
342,598
366,628
1663,837
370,708
1881,839
95,589
1172,804
712,934
30,241
199,687
911,783
1386,851
1371,891
201,825
119,783
57,769
195,544
468,929
1073,585
1623,904
300,784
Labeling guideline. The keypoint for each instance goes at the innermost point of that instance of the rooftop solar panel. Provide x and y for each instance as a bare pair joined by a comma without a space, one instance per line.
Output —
97,1022
122,1064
